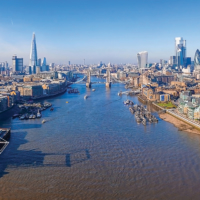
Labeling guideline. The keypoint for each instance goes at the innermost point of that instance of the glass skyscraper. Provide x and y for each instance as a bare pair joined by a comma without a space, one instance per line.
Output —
17,64
142,58
197,60
33,55
44,63
180,48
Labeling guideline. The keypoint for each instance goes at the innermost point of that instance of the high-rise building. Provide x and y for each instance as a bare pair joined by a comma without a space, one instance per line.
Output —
17,64
29,70
33,55
39,62
69,63
180,49
51,65
44,63
197,60
37,69
187,61
142,58
172,60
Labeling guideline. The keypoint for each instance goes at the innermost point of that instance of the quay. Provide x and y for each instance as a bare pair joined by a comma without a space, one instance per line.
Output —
142,99
49,95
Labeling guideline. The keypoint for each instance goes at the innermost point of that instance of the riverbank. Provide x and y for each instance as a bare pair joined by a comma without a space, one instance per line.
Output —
182,126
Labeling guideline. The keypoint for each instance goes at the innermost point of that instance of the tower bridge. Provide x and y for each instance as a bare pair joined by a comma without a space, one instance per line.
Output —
87,78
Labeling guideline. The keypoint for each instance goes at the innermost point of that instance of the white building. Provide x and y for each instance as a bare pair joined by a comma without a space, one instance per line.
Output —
142,59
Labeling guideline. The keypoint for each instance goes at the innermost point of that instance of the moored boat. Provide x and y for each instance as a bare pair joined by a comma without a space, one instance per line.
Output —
39,115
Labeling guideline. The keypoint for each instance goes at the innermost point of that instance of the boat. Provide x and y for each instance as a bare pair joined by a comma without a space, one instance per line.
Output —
144,122
132,110
39,115
31,116
138,120
126,102
43,121
93,90
67,102
75,90
22,117
130,102
47,105
85,97
27,116
15,115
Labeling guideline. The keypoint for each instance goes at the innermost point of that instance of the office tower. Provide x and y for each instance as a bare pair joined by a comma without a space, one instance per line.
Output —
142,58
69,63
47,67
187,61
37,69
33,55
180,48
6,65
52,65
172,60
17,64
29,70
44,63
39,62
197,60
2,67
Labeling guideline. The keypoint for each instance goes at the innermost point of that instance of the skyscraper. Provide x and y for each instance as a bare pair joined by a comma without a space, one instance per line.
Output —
39,62
172,60
33,55
17,64
44,63
180,49
142,59
197,60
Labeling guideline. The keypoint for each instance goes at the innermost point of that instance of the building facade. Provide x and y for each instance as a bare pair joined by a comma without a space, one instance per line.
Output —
142,58
17,64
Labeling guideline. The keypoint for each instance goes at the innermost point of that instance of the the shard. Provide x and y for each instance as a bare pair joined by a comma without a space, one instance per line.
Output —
33,55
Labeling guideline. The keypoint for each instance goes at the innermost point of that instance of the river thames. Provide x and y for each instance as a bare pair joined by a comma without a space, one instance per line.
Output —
94,149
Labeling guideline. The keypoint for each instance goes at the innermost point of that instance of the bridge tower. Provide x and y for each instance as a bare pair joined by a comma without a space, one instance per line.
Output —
88,82
108,78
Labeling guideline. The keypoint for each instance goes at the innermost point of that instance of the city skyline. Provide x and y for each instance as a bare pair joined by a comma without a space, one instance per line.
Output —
109,31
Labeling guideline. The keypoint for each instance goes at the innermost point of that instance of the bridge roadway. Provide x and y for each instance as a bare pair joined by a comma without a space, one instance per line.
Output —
83,80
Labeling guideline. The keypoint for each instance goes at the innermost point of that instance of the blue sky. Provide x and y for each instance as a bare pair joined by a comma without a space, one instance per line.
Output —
97,30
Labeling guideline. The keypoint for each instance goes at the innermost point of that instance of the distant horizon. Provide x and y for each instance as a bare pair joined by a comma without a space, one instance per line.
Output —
108,31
